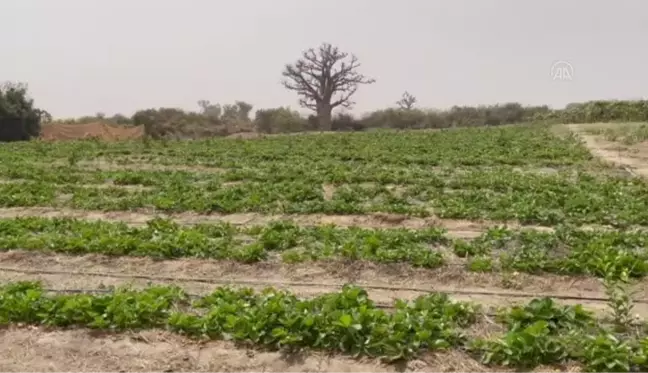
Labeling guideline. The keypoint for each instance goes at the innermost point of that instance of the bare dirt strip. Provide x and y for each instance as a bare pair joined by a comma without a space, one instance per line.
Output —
456,228
107,185
385,283
39,350
612,153
104,131
107,165
134,163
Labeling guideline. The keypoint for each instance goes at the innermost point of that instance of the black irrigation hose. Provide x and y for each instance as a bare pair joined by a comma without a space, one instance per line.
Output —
309,284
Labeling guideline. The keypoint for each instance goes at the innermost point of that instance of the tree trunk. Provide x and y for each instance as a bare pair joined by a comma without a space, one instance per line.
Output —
324,117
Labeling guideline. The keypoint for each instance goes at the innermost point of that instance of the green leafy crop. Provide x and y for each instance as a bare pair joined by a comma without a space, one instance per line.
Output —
348,321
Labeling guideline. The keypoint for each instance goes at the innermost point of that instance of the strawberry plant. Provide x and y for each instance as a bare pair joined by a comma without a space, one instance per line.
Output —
600,253
162,238
557,318
469,174
347,321
525,348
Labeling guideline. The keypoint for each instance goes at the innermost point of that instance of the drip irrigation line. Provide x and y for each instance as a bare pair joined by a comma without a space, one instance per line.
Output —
190,295
215,281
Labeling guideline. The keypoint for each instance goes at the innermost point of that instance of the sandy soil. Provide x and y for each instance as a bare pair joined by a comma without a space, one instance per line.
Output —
134,162
456,228
328,191
383,282
35,349
100,164
129,187
103,131
610,152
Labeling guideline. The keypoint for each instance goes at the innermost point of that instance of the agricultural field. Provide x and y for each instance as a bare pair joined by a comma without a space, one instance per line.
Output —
478,249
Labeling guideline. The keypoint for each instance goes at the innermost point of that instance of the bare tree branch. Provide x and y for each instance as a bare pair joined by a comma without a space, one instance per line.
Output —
407,101
324,79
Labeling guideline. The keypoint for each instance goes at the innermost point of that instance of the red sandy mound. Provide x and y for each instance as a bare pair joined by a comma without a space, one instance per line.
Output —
99,130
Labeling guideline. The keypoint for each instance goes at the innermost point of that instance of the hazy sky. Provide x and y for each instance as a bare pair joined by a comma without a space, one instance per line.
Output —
86,56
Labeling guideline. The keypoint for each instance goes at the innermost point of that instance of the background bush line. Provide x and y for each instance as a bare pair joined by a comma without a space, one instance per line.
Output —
21,120
167,122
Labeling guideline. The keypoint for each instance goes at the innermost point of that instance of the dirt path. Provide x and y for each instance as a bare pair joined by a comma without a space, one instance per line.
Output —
611,152
133,187
456,228
141,166
103,131
383,282
34,349
79,350
131,164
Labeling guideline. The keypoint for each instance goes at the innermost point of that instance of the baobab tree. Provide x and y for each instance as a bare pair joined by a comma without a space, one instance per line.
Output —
407,101
324,79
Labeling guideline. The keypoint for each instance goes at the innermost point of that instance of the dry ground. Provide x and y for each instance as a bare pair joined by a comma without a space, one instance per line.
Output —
632,158
384,282
103,131
456,228
35,349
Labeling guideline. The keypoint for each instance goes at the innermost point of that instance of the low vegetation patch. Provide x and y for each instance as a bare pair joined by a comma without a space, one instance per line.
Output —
541,332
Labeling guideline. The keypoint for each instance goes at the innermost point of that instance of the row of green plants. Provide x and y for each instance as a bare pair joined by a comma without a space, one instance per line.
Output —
348,321
501,178
520,145
505,196
165,239
567,250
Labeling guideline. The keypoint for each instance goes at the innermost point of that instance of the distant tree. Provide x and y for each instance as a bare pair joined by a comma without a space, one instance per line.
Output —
45,117
119,119
19,119
346,122
244,110
151,117
279,120
239,111
407,101
212,111
324,79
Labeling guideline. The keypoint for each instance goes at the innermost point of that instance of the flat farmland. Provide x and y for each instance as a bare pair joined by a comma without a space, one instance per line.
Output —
466,249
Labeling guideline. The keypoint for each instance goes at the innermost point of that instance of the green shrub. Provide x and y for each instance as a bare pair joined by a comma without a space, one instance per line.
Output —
599,111
19,119
213,120
280,120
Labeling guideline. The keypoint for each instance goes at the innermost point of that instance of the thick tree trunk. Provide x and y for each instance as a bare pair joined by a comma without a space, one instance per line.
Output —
324,117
